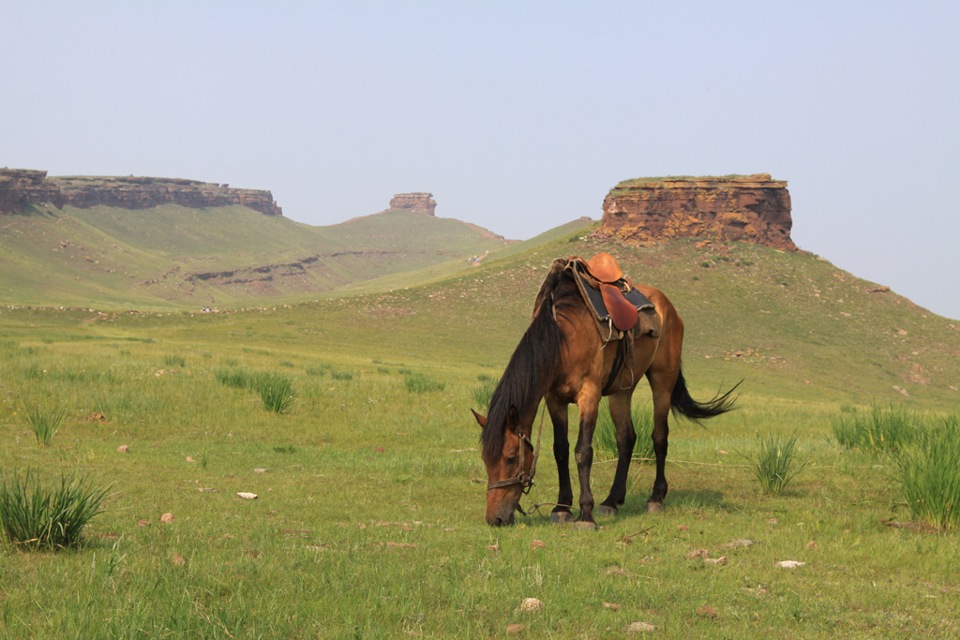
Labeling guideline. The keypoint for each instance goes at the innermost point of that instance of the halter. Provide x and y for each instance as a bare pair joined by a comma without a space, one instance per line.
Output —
525,480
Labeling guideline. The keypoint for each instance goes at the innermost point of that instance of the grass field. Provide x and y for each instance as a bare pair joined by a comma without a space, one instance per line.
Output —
368,521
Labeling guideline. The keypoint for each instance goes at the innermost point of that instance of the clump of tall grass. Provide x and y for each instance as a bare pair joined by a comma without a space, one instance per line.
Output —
878,429
275,389
419,383
930,473
605,434
484,391
44,421
775,463
36,518
174,361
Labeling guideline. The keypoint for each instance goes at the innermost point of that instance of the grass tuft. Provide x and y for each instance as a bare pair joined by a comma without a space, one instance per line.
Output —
605,435
930,476
36,518
775,462
44,422
878,429
419,383
275,390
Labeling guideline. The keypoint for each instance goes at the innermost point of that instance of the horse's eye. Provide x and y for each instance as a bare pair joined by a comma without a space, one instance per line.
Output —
512,460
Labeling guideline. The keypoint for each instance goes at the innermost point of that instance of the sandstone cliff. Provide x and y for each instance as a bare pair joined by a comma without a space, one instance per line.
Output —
20,188
753,208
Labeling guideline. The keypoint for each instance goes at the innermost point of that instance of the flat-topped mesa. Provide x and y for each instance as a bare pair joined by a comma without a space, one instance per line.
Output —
123,192
420,202
752,208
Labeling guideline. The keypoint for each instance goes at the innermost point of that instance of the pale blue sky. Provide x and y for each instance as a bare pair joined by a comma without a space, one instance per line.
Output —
517,116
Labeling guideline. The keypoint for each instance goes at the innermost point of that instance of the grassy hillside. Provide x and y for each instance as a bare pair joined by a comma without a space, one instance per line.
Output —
369,516
177,257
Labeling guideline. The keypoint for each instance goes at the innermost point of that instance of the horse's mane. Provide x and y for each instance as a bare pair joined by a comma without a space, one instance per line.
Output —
532,364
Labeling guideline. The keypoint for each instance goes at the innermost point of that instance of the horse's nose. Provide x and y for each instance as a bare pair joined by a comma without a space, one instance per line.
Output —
500,521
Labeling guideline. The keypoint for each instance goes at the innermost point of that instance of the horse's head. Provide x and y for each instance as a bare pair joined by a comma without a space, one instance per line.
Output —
509,470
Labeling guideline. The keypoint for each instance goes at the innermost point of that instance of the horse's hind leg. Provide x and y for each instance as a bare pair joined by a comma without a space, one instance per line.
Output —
561,453
661,386
626,439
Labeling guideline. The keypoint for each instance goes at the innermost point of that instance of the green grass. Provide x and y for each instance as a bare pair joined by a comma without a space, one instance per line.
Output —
930,472
35,517
775,463
44,421
369,516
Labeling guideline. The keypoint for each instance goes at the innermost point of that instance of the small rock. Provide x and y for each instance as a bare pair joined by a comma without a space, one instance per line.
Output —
247,495
188,459
707,611
698,554
739,542
124,448
259,470
143,523
790,564
716,562
537,544
493,547
166,518
641,627
811,545
514,629
613,606
178,560
531,604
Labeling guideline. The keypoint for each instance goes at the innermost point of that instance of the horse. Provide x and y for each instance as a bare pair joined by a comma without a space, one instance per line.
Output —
563,358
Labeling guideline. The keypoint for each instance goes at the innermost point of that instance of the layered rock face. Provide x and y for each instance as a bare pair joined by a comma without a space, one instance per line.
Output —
753,208
20,188
416,202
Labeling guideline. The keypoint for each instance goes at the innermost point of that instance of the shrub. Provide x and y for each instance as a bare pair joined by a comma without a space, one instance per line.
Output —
775,463
930,472
35,518
44,422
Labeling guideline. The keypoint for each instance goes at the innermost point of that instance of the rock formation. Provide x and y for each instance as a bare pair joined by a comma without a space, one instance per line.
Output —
417,202
20,188
753,208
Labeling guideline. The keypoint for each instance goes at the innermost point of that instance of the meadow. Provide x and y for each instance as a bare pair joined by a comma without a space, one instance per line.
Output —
368,517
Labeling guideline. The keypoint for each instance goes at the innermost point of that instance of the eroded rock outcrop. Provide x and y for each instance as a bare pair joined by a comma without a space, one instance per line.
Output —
754,208
419,202
20,188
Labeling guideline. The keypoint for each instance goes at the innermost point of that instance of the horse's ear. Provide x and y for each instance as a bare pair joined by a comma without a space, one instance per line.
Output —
513,418
482,421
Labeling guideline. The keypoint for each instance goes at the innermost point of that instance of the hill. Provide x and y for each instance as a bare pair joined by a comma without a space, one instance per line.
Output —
173,256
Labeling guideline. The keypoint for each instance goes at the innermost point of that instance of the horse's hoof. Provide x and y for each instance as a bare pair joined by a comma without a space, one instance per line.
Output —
585,524
654,507
607,510
561,517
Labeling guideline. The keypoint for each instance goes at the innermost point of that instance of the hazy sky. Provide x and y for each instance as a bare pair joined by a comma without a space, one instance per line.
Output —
517,116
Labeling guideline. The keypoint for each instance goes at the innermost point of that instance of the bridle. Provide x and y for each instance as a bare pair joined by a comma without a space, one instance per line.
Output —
524,479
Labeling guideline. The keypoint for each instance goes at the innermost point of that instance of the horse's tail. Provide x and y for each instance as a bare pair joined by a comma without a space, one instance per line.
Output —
681,402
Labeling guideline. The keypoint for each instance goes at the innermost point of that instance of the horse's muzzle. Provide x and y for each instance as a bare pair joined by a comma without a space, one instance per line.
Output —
500,520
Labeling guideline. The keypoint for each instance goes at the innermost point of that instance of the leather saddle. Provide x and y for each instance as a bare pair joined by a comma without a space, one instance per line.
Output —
602,274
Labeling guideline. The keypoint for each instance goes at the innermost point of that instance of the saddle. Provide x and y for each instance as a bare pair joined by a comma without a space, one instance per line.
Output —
615,302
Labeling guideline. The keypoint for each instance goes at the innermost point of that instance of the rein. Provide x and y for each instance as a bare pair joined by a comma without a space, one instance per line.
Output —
525,480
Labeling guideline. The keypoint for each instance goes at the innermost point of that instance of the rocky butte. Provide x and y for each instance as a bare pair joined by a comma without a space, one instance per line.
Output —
20,188
754,208
416,202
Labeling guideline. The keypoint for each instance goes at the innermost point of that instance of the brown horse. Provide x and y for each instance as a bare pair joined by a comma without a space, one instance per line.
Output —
563,358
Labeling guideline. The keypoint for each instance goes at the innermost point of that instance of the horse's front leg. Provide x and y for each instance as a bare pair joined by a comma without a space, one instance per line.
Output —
587,405
561,453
